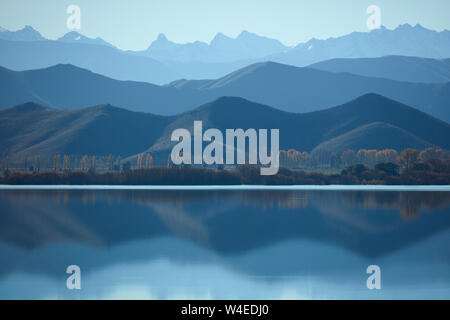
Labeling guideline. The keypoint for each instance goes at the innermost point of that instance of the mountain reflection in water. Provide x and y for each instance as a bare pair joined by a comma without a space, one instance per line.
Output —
256,233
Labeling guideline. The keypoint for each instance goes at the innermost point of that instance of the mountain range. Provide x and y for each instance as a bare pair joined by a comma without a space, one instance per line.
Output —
31,129
102,59
165,61
287,88
25,34
222,49
405,40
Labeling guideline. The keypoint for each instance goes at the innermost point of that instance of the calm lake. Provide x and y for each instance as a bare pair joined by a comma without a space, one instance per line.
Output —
224,244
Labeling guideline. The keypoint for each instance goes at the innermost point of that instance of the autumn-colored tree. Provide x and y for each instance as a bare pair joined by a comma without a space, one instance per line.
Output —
431,153
390,156
293,158
367,157
408,158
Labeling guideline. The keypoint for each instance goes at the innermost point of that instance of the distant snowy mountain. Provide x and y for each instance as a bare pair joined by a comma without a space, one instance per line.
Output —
25,34
221,49
405,40
165,61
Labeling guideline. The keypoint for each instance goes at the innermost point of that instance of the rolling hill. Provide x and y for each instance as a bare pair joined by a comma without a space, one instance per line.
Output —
400,68
296,89
34,129
69,87
374,136
285,87
31,129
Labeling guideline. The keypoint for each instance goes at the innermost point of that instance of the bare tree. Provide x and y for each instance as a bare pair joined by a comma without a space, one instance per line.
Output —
140,157
84,163
110,162
93,163
148,161
37,163
169,162
56,162
66,163
5,164
408,158
348,158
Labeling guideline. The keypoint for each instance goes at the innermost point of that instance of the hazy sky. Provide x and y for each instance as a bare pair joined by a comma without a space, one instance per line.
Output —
133,24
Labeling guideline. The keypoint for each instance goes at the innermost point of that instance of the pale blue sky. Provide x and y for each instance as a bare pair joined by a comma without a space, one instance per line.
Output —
133,24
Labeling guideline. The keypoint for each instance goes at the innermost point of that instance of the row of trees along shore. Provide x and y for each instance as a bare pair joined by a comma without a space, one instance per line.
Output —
67,163
430,172
370,158
410,167
292,159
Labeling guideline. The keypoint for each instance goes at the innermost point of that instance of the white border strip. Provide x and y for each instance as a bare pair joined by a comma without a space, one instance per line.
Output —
230,187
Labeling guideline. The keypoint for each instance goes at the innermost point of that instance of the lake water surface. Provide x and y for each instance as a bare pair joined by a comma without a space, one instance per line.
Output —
224,244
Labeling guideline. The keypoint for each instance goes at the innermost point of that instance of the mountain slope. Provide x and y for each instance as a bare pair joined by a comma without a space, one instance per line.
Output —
376,135
285,87
303,89
69,87
34,129
400,68
307,131
31,129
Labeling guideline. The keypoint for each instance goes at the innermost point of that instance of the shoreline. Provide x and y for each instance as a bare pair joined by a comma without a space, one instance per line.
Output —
436,188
